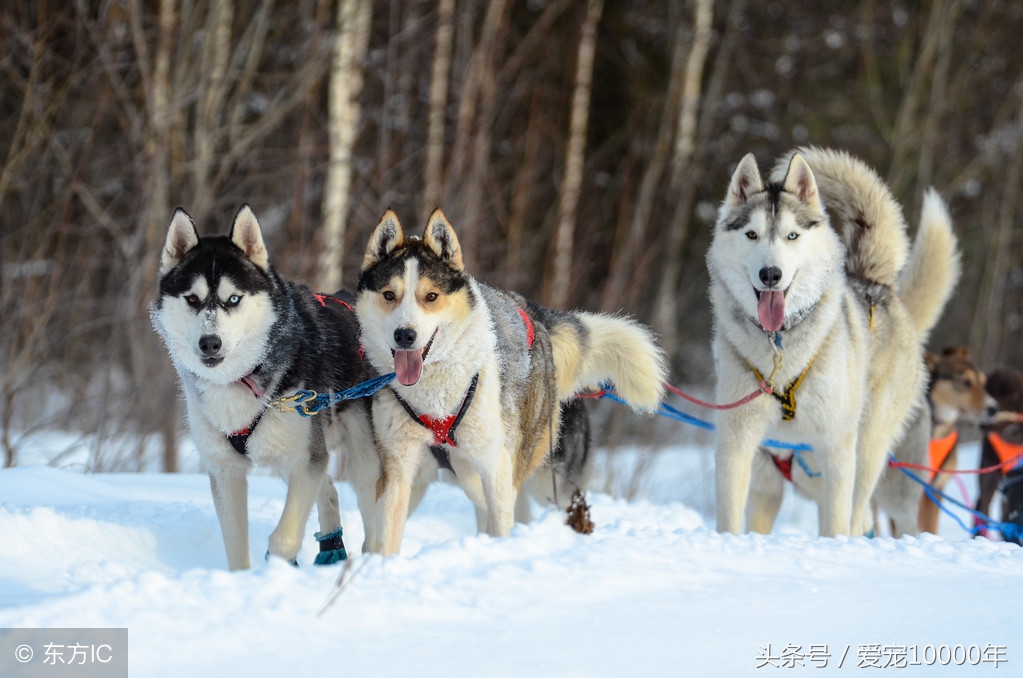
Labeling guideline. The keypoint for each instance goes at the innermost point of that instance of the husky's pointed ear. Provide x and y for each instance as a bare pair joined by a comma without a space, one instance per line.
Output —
441,238
745,181
181,237
387,237
246,235
799,181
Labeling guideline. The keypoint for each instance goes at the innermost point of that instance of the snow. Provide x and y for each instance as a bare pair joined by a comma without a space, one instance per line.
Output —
654,591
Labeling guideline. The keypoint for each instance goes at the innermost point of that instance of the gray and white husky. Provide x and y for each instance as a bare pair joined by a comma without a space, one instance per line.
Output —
818,314
481,373
240,335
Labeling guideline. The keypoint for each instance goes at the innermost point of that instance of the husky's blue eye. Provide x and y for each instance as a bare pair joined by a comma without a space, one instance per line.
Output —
793,235
233,300
752,235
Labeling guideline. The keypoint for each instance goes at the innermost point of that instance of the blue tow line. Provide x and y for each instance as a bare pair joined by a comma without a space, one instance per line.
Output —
308,403
670,412
1010,531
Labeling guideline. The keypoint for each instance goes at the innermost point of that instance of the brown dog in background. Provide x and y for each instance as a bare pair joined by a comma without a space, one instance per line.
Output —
956,392
1005,385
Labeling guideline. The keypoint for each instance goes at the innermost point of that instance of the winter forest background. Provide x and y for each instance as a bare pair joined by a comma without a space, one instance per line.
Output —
580,148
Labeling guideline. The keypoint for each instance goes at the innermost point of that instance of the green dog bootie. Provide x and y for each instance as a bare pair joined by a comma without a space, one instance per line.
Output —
332,548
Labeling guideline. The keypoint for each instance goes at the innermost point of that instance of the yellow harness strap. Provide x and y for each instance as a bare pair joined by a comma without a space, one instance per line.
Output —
788,398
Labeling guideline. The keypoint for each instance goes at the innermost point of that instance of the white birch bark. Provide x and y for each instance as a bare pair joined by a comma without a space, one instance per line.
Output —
438,100
344,111
574,157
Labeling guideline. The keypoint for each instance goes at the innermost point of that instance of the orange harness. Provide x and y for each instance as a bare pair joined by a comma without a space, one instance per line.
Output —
939,449
1006,451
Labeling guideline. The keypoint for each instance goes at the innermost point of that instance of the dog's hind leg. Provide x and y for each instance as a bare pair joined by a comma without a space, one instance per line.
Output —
230,498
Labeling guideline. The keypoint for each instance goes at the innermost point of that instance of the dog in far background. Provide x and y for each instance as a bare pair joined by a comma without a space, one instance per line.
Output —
1003,442
955,395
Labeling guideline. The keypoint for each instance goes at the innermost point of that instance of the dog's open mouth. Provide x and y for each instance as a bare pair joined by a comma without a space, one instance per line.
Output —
212,362
770,309
408,365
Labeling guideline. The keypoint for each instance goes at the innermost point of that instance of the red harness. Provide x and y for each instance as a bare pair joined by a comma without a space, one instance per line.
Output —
783,465
444,429
323,297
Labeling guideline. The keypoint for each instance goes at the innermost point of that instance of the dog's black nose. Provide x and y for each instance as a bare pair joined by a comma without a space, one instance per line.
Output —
770,275
992,410
404,337
210,344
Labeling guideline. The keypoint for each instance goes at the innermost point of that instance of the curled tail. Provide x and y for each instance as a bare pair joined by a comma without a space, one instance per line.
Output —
934,266
873,227
602,348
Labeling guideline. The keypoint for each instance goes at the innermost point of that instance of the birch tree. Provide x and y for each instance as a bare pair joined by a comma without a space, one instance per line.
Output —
345,87
438,101
666,311
574,156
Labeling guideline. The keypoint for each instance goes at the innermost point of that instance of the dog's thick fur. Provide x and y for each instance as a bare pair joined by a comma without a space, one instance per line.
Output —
425,318
240,335
794,298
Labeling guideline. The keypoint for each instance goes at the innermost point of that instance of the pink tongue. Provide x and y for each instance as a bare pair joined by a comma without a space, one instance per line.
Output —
771,310
409,366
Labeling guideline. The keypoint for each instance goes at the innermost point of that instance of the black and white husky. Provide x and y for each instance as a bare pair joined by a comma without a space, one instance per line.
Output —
240,335
481,373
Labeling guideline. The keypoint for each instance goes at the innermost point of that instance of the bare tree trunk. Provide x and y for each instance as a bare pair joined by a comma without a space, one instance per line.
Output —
906,133
213,94
253,45
989,320
144,345
666,311
438,101
572,183
475,122
526,179
931,136
631,243
345,87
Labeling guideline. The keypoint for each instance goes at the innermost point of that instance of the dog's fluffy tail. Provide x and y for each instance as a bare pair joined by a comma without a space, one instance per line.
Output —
872,227
609,348
934,266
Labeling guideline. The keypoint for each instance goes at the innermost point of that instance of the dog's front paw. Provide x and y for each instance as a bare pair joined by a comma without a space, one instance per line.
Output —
293,562
332,548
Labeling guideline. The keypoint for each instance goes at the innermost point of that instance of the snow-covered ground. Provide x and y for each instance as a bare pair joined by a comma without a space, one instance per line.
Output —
654,591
